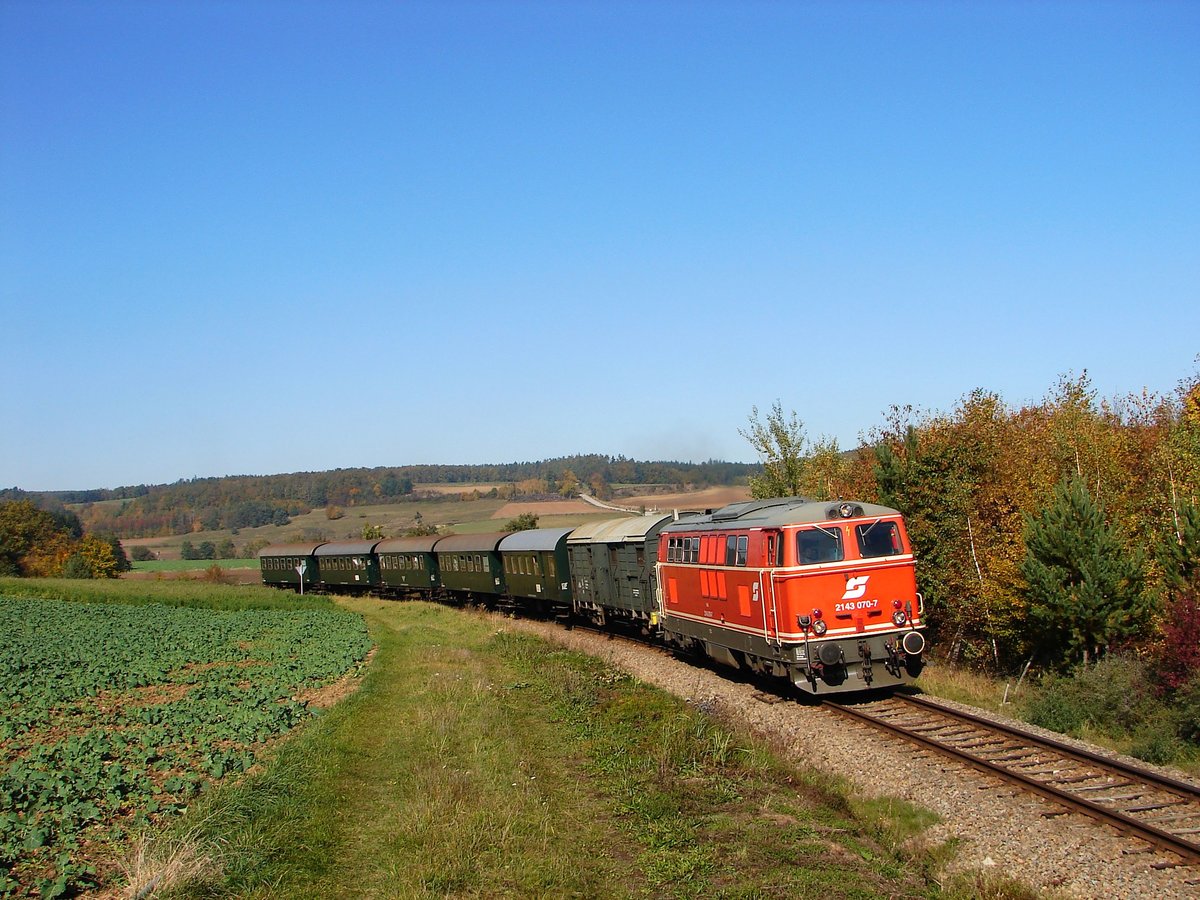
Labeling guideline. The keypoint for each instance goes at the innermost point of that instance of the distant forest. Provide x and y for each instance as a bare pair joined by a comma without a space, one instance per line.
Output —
248,501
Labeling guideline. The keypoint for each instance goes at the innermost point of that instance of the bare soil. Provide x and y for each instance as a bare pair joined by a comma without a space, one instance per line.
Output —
709,498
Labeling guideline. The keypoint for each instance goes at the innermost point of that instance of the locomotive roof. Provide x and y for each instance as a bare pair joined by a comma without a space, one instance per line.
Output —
779,511
534,539
421,544
617,531
346,548
471,543
289,549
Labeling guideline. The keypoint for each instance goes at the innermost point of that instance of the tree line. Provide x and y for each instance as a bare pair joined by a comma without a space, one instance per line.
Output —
236,502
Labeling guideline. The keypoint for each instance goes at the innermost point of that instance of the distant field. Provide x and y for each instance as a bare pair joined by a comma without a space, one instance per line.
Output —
447,513
709,498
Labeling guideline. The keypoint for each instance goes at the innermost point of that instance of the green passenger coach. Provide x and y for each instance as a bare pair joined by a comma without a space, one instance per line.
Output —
469,565
348,566
408,564
536,567
280,565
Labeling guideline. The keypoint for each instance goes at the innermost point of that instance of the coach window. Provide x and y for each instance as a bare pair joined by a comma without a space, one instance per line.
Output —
878,539
819,545
731,550
743,542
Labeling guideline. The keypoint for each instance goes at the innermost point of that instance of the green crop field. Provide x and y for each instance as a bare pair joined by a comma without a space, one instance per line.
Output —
189,565
120,712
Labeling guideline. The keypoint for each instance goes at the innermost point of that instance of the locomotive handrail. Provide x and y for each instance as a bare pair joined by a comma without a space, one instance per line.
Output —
769,574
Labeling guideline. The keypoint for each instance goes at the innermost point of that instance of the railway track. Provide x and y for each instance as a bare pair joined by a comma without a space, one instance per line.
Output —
1159,810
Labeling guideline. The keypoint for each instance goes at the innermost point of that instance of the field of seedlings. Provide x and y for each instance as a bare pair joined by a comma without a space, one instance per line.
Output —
118,713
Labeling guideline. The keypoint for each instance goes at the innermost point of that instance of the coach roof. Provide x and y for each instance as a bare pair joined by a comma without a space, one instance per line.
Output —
534,539
617,531
421,544
779,511
288,550
471,543
346,548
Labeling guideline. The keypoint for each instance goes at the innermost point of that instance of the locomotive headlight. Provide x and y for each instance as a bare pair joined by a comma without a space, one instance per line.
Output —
820,627
817,614
899,618
896,604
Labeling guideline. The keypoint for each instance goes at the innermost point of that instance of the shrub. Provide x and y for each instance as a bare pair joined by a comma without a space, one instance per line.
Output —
142,554
1180,656
77,567
1158,742
1115,696
1186,708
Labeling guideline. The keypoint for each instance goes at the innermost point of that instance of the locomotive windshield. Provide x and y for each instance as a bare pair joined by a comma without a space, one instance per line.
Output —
878,539
819,545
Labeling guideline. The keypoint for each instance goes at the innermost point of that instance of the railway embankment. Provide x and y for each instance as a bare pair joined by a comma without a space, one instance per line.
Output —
992,826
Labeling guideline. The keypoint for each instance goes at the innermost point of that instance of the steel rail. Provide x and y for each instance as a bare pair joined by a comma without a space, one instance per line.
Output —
1174,785
1187,850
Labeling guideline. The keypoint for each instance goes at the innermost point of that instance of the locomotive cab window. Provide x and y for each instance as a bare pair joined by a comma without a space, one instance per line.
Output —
878,539
819,545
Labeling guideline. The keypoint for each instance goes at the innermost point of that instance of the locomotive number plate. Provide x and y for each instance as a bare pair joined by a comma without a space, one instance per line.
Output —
852,605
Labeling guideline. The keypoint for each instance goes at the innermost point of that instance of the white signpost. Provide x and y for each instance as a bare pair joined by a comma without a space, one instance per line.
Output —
300,570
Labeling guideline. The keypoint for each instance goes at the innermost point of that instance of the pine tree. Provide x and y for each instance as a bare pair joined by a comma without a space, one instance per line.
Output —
1179,556
1085,589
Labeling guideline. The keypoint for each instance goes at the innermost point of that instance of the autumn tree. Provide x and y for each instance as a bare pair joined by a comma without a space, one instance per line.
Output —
33,542
779,442
97,554
524,522
569,484
1085,587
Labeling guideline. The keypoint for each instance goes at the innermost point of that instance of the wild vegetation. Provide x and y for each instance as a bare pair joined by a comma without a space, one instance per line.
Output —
124,703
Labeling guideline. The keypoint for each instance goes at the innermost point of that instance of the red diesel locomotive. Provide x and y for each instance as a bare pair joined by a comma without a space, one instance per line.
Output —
821,593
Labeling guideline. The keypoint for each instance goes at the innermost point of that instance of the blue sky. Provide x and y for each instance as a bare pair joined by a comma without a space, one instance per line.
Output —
261,237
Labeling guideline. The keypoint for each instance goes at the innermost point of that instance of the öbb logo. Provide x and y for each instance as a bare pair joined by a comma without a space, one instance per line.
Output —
856,587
